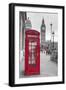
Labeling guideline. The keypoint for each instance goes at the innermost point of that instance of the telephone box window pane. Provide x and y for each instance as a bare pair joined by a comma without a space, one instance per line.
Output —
33,62
29,61
29,48
29,43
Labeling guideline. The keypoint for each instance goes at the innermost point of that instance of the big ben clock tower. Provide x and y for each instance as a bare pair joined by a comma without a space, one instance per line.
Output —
43,33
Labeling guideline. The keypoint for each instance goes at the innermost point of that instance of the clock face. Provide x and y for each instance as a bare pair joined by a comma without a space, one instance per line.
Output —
43,28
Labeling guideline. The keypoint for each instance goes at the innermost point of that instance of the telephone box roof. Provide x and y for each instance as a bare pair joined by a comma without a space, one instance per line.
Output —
32,32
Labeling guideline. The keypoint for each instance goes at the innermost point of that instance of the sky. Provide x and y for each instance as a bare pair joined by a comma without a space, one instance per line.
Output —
36,20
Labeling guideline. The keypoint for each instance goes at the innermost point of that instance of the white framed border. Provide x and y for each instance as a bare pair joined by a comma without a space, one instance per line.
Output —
38,79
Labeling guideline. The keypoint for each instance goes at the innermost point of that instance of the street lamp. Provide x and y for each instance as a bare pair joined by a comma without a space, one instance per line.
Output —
51,30
53,38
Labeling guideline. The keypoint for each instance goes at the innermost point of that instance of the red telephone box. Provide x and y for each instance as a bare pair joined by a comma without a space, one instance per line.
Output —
32,52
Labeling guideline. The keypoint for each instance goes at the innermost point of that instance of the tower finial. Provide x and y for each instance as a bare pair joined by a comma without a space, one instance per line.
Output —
43,21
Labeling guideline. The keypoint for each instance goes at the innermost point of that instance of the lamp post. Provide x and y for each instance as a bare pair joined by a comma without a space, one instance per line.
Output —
51,30
53,39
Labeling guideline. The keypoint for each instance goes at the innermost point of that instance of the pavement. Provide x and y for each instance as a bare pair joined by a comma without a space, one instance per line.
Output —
47,67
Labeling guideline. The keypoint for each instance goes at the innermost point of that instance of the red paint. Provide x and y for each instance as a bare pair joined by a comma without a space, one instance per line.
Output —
32,52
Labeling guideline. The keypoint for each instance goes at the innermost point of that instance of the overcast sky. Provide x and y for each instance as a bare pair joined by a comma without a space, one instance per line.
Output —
36,20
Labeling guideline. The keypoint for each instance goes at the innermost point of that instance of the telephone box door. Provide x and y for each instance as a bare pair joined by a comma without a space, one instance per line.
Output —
32,56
